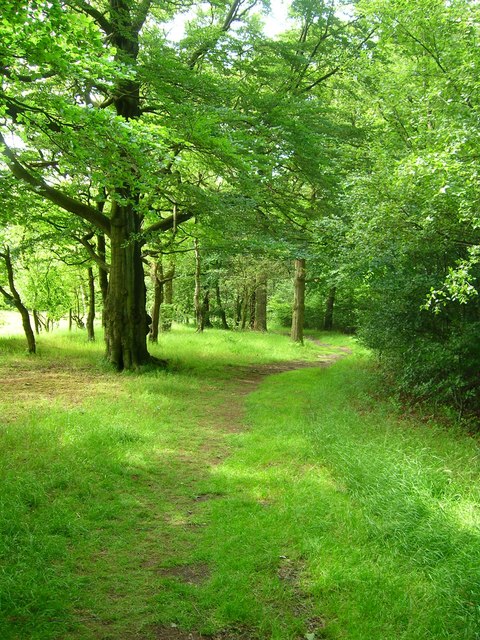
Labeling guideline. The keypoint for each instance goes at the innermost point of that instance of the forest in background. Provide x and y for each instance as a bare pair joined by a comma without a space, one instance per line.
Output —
340,154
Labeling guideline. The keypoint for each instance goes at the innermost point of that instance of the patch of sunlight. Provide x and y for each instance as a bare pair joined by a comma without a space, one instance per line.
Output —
317,478
235,473
138,459
72,435
467,514
165,452
324,477
178,520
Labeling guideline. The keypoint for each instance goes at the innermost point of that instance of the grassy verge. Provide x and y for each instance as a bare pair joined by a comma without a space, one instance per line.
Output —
134,505
371,520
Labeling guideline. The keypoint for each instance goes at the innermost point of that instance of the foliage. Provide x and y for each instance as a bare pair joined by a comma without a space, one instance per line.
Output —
411,254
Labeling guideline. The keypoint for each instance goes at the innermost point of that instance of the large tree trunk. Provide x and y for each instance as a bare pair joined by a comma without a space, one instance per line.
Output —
298,316
126,319
14,297
91,306
260,322
328,319
27,327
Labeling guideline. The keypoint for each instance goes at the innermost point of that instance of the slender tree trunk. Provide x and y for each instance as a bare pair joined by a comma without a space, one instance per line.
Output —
83,297
157,277
206,309
238,310
260,322
221,310
91,306
166,320
27,328
102,273
298,316
252,308
14,297
245,308
36,322
198,290
328,319
78,316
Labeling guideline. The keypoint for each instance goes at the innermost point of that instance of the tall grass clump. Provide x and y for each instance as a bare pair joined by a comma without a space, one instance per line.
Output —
374,517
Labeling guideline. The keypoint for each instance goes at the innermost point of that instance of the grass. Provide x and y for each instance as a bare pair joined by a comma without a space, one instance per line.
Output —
306,509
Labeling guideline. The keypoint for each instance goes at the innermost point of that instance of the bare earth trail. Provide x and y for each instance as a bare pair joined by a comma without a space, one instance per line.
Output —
227,418
248,378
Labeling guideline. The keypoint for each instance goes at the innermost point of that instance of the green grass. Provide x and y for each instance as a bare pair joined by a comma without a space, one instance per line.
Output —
134,502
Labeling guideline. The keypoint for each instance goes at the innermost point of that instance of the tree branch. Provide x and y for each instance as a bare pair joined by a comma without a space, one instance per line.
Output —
434,56
57,197
84,241
14,296
322,79
5,71
141,15
231,16
6,295
98,16
168,223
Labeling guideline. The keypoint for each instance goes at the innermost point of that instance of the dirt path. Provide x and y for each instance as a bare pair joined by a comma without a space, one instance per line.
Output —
155,549
248,378
228,418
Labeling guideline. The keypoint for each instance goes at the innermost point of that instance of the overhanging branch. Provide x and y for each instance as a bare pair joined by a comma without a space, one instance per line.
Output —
99,17
57,197
168,223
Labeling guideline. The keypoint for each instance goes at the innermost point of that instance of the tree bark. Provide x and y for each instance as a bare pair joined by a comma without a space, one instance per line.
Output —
14,297
166,320
252,308
238,310
298,315
126,318
328,319
157,279
206,308
102,273
37,323
260,322
197,297
245,308
221,310
91,306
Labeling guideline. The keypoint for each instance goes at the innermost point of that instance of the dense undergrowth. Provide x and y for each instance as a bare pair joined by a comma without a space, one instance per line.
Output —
133,504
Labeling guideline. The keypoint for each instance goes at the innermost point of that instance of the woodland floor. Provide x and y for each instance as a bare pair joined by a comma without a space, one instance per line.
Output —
221,501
